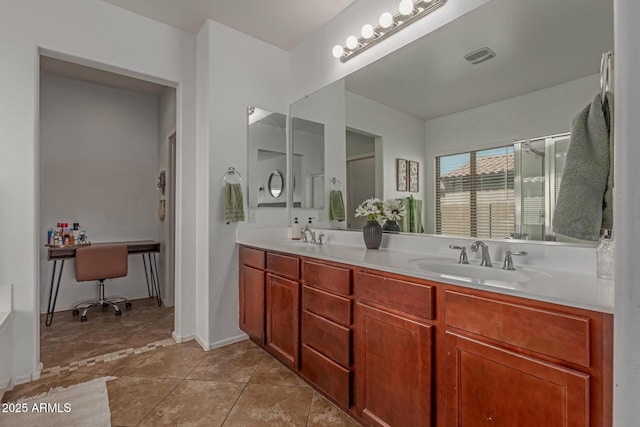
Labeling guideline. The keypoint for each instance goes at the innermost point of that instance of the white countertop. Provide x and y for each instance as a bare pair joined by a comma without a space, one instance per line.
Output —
568,288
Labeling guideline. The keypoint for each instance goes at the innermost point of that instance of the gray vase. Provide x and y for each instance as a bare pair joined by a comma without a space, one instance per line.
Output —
372,233
391,226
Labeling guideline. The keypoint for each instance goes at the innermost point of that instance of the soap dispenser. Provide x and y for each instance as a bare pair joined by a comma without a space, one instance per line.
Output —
295,230
604,251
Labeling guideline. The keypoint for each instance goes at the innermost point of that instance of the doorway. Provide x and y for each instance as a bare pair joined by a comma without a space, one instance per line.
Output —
102,144
361,174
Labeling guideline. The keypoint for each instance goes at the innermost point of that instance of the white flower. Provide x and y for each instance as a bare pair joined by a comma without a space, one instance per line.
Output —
371,208
394,209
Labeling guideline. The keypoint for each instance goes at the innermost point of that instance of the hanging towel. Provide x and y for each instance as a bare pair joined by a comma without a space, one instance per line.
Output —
579,209
607,211
336,206
233,204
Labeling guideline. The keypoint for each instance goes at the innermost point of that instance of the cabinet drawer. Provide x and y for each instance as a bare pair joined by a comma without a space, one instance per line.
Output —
326,374
408,297
327,277
283,265
328,305
252,257
328,338
554,334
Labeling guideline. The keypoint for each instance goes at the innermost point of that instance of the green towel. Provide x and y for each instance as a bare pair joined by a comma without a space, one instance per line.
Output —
607,211
579,210
233,205
336,206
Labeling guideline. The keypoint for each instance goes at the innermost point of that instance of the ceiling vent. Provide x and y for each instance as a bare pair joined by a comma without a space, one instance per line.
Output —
480,55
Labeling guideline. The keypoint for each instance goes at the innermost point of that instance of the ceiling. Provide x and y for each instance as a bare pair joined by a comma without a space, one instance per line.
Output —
282,23
538,44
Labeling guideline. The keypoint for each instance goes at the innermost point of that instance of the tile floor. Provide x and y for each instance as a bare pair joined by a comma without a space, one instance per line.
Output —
163,383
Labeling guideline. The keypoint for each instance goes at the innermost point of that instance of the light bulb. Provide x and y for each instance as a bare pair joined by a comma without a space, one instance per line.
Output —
406,7
367,31
386,20
337,51
352,42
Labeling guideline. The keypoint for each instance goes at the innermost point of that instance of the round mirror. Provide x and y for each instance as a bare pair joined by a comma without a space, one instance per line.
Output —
275,184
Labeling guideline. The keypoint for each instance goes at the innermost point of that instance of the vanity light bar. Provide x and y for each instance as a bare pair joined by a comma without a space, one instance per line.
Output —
409,12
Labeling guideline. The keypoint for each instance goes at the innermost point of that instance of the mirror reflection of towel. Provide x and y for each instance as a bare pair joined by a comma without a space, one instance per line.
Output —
233,204
583,190
412,221
336,206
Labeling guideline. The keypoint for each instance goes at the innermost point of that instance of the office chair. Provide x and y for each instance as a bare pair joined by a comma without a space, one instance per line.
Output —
101,263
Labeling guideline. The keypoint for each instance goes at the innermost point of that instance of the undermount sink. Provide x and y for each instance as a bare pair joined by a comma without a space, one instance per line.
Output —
491,276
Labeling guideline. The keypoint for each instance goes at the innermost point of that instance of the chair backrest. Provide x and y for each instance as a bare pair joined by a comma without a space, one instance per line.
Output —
101,262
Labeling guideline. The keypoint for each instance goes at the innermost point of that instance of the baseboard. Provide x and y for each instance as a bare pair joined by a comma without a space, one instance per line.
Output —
180,339
34,376
6,387
229,341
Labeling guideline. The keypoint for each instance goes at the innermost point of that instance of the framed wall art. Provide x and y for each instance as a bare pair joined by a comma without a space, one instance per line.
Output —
401,170
414,178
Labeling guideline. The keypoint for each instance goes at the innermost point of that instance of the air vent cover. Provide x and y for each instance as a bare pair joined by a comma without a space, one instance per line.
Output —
480,55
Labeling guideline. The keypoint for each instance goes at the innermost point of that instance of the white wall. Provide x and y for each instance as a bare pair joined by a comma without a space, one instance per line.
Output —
92,33
98,151
544,112
402,137
627,205
240,71
166,127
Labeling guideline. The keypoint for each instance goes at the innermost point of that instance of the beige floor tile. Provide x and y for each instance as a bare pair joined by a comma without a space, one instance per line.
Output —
263,405
62,354
132,398
192,402
323,413
45,384
235,363
270,371
175,361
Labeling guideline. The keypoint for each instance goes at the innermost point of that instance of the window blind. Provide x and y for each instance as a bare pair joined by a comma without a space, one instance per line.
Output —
475,193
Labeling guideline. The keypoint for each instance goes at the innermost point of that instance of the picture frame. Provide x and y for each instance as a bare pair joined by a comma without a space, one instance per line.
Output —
414,176
401,177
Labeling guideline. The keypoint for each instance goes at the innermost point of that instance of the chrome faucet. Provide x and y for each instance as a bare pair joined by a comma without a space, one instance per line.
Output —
508,261
312,233
486,259
463,254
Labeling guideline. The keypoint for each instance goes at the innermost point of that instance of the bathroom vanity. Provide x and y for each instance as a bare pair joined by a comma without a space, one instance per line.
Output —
394,347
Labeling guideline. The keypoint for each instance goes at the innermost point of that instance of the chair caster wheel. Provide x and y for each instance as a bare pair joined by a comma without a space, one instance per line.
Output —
128,305
83,318
75,312
105,305
118,313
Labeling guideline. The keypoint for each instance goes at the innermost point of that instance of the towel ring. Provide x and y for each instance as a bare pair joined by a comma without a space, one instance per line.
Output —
232,173
335,182
605,73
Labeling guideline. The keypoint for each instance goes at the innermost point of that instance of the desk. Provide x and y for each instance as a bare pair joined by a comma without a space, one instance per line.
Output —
142,247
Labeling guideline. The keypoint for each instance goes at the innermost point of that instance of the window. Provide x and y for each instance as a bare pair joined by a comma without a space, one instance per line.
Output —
475,193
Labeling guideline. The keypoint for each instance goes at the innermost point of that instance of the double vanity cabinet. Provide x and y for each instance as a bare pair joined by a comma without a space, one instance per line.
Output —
396,350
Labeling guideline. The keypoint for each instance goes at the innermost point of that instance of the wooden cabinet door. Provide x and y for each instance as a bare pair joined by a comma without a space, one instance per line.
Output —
488,385
252,290
283,296
393,368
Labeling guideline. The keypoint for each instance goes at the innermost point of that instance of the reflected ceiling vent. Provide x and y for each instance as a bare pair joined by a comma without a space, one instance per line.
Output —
480,55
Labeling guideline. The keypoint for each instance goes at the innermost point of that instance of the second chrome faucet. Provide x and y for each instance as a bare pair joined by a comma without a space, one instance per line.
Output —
486,258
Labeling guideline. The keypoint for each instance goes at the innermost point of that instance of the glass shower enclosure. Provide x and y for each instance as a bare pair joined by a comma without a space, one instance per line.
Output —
539,164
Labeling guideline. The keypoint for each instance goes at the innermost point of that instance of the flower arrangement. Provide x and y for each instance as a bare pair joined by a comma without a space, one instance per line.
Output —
393,209
371,208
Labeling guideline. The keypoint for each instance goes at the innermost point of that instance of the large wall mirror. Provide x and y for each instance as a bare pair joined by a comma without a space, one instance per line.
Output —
267,158
426,113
